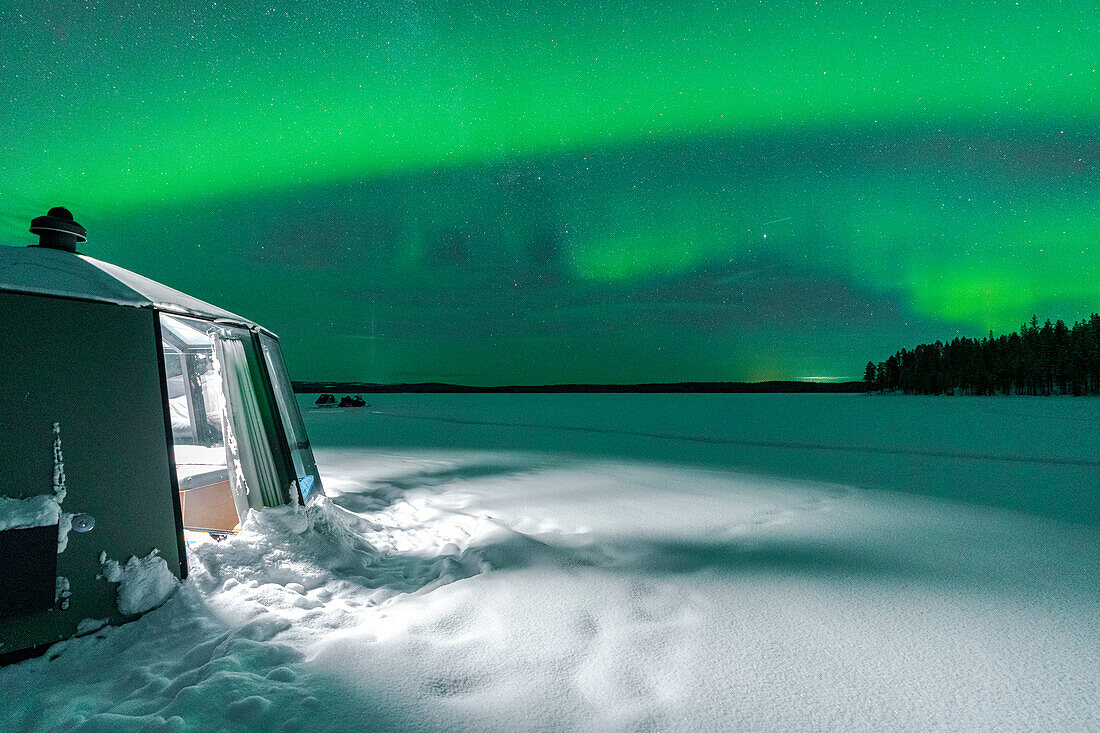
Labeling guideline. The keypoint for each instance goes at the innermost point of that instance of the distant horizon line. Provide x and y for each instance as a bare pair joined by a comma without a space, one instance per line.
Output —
763,387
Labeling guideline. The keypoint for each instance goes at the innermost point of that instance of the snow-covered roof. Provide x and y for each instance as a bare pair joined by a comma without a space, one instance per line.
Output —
54,272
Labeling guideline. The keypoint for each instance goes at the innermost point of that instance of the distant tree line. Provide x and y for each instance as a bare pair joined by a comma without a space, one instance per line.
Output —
1039,360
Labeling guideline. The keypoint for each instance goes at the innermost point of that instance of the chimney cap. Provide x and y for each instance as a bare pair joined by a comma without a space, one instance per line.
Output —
58,230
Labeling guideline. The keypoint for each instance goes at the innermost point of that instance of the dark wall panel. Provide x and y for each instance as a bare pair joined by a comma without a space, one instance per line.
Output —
92,368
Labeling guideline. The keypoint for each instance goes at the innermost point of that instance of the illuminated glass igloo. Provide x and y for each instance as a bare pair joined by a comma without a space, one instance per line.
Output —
134,419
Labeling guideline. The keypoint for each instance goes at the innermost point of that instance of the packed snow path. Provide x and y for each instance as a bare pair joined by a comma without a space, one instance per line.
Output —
454,588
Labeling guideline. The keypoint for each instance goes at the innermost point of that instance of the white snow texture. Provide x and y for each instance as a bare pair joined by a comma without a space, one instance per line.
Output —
34,511
630,563
41,510
144,583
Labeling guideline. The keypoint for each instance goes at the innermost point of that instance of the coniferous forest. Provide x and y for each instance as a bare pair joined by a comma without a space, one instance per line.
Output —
1051,359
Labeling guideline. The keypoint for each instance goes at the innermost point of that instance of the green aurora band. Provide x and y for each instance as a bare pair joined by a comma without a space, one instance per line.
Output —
547,192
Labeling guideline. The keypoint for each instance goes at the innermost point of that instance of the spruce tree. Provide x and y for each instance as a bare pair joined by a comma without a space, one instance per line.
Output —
869,377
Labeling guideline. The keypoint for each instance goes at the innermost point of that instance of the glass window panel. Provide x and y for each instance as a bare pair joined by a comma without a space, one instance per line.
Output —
301,453
223,423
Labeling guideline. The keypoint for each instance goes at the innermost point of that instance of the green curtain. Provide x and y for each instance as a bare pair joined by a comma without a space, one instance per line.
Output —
249,440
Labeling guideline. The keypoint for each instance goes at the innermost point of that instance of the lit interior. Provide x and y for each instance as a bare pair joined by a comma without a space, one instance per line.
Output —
222,416
196,403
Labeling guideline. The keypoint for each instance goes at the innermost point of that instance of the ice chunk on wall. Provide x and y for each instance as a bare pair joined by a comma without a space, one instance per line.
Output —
58,465
64,526
35,511
62,591
41,510
144,583
65,520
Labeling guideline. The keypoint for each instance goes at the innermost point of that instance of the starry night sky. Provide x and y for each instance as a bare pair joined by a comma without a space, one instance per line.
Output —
508,193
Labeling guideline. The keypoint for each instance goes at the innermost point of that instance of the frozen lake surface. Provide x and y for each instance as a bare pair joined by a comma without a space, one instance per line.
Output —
1029,454
634,562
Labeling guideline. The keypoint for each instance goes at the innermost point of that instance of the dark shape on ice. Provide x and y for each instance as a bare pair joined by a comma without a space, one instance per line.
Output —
326,400
381,493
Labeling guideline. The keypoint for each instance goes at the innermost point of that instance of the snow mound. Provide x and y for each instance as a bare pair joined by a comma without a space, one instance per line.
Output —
301,562
144,583
89,625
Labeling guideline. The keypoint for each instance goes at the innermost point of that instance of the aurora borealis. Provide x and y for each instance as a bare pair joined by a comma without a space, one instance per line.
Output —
504,192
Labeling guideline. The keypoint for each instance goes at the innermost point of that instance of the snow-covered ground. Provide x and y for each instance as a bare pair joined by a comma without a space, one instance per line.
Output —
633,562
